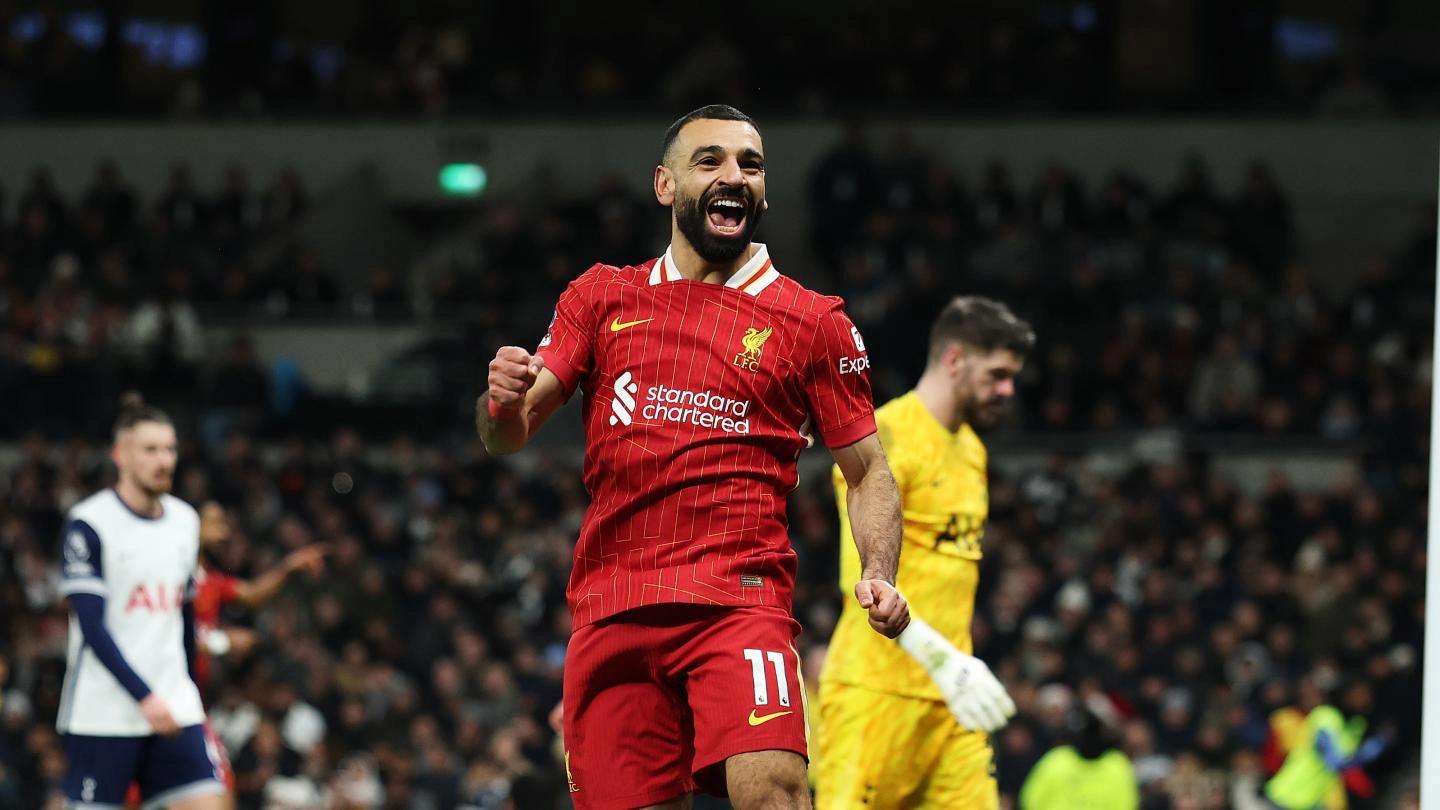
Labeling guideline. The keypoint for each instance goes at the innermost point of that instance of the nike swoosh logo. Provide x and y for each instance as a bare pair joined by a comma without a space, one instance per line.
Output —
763,719
616,325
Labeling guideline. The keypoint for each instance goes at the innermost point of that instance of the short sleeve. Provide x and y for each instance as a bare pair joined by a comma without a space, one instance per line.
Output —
902,462
80,560
228,589
837,382
568,347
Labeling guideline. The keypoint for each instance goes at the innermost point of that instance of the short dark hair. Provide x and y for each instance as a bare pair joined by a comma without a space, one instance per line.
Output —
716,112
981,323
133,411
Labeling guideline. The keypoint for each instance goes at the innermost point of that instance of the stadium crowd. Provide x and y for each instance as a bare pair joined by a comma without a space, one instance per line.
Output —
429,653
1184,307
420,668
439,58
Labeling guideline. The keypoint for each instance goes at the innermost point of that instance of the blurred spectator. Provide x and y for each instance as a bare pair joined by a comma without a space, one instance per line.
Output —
163,338
1194,209
235,211
310,288
843,189
112,200
1057,203
1327,754
1226,387
41,194
285,200
264,758
39,238
238,383
1264,233
180,208
997,204
1086,772
383,298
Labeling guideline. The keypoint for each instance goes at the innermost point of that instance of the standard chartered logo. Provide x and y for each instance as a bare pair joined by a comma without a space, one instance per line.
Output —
622,407
662,403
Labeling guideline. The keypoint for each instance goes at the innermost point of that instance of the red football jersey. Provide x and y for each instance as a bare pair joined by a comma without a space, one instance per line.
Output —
213,590
699,398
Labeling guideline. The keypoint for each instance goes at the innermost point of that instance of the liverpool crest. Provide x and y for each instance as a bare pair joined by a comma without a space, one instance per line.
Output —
753,342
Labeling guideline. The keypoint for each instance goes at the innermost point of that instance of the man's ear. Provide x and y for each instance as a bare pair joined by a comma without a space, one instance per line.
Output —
664,186
954,356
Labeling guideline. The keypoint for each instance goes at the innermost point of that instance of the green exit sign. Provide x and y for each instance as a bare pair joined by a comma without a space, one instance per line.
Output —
463,179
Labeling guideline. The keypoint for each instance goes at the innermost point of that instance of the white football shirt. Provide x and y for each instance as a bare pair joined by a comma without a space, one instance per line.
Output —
142,567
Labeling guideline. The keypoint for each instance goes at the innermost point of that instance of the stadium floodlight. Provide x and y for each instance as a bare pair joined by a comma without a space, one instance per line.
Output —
463,179
1430,691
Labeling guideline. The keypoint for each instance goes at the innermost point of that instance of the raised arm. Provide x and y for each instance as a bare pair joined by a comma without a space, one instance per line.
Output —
256,592
873,502
522,395
524,389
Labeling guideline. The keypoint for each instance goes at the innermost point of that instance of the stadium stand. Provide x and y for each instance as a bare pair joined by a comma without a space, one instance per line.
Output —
439,58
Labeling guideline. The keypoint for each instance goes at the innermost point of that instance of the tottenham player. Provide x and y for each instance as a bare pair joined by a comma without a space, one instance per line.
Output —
704,371
129,708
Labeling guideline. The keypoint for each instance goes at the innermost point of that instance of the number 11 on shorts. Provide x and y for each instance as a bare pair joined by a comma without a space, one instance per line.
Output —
757,669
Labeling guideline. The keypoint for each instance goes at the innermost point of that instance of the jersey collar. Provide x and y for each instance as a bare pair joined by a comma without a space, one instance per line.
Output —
924,415
116,492
751,279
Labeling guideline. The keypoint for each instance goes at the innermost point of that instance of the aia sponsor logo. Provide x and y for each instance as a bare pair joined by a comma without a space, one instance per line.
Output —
155,598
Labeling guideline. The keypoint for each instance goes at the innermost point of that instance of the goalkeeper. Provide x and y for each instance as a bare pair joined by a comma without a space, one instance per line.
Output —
906,725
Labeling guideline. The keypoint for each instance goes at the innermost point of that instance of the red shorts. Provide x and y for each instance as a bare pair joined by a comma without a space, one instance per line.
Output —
657,698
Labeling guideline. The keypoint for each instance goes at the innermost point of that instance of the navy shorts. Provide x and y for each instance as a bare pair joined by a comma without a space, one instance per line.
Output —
100,770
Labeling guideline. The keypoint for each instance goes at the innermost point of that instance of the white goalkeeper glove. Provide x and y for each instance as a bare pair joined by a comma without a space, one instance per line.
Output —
971,690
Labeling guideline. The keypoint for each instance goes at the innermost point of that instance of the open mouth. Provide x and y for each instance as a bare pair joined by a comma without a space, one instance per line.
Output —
726,215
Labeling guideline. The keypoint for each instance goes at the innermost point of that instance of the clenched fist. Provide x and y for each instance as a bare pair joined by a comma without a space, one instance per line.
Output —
512,372
889,612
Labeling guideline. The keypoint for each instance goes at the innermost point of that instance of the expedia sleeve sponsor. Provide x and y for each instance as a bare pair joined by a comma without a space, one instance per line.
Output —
836,383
